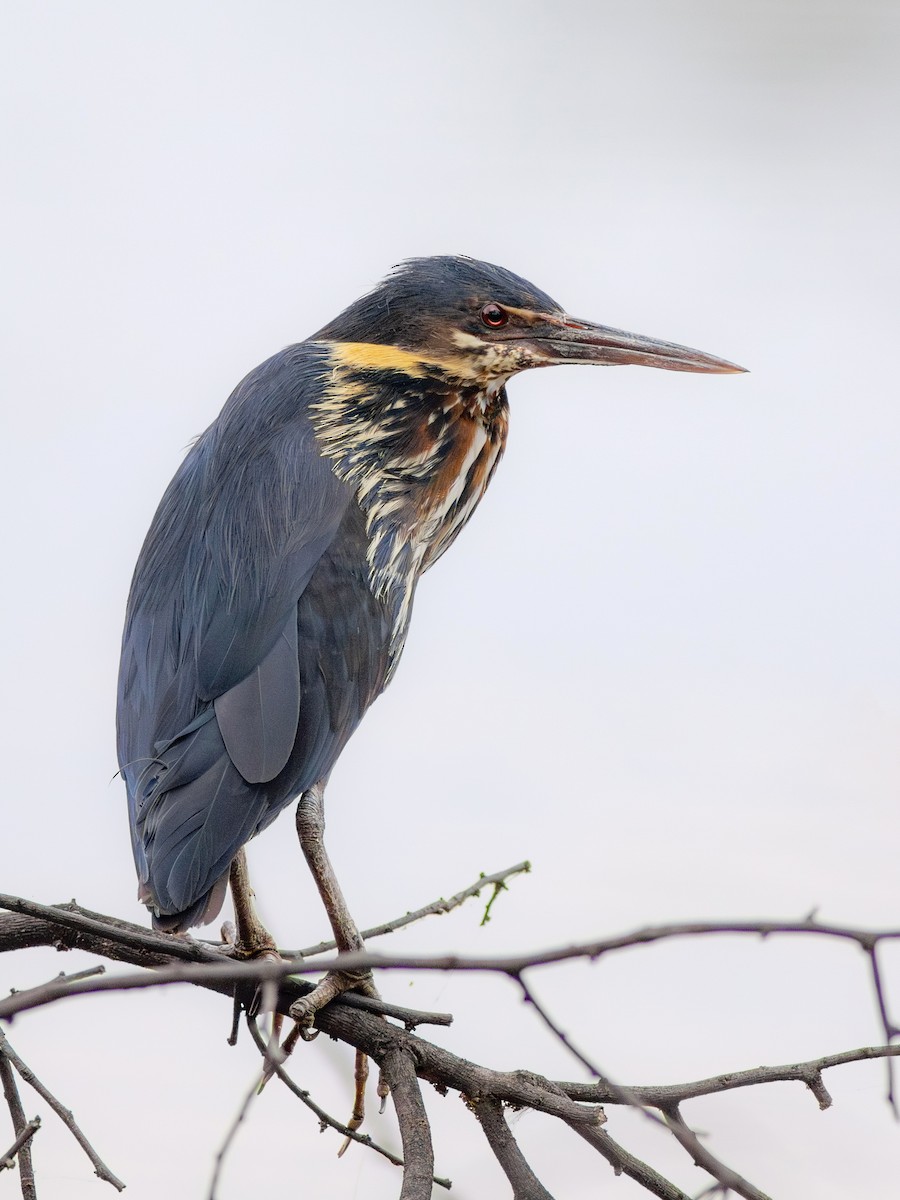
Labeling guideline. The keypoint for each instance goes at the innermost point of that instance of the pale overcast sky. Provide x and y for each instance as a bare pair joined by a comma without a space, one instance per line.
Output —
662,662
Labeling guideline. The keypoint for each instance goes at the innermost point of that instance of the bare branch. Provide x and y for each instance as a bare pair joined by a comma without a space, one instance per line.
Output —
577,1104
325,1119
8,1160
623,1162
890,1029
64,1114
666,1095
418,1154
525,1184
707,1161
218,972
209,967
530,998
436,908
17,1113
625,1095
219,1160
70,926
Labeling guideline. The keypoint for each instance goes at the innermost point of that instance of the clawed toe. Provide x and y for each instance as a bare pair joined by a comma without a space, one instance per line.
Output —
333,985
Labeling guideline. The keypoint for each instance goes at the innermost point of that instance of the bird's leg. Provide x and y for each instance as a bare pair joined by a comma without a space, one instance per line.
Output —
311,832
253,939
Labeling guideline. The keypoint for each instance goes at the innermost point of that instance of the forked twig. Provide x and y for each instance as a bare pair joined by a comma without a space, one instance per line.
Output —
17,1113
64,1114
8,1160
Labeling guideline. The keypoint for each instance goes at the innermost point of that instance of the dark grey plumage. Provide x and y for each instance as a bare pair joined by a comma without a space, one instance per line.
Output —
241,592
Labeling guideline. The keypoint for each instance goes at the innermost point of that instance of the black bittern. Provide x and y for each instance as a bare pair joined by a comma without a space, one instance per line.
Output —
272,596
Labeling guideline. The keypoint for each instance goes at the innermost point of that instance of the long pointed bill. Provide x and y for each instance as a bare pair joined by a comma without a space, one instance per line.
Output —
568,340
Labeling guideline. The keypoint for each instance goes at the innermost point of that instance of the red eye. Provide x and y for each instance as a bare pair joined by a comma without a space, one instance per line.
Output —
494,316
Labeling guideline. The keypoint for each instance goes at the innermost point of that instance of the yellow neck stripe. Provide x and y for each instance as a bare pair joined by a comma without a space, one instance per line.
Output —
370,356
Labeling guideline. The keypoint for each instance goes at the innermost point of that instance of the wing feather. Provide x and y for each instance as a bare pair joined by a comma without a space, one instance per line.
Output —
209,685
258,716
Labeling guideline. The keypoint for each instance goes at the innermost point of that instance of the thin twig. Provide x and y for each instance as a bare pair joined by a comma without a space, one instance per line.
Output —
890,1029
223,971
703,1158
623,1162
75,976
325,1119
8,1160
271,1052
683,1133
219,1159
222,974
17,1113
437,907
722,1173
665,1095
64,1114
560,1034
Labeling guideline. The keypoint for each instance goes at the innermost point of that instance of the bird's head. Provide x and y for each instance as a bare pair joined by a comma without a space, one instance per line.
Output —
480,324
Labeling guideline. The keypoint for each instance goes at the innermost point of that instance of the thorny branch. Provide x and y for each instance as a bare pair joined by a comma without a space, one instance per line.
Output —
406,1058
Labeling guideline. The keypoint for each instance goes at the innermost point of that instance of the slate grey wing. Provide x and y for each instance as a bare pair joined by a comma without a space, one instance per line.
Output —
217,725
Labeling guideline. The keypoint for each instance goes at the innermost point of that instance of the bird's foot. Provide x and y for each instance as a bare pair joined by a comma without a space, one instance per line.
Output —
304,1011
333,985
256,942
360,1077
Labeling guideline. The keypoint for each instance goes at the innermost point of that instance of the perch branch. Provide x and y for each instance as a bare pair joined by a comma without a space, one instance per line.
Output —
577,1105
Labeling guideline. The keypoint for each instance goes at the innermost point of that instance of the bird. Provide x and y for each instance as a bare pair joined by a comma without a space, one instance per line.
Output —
272,597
